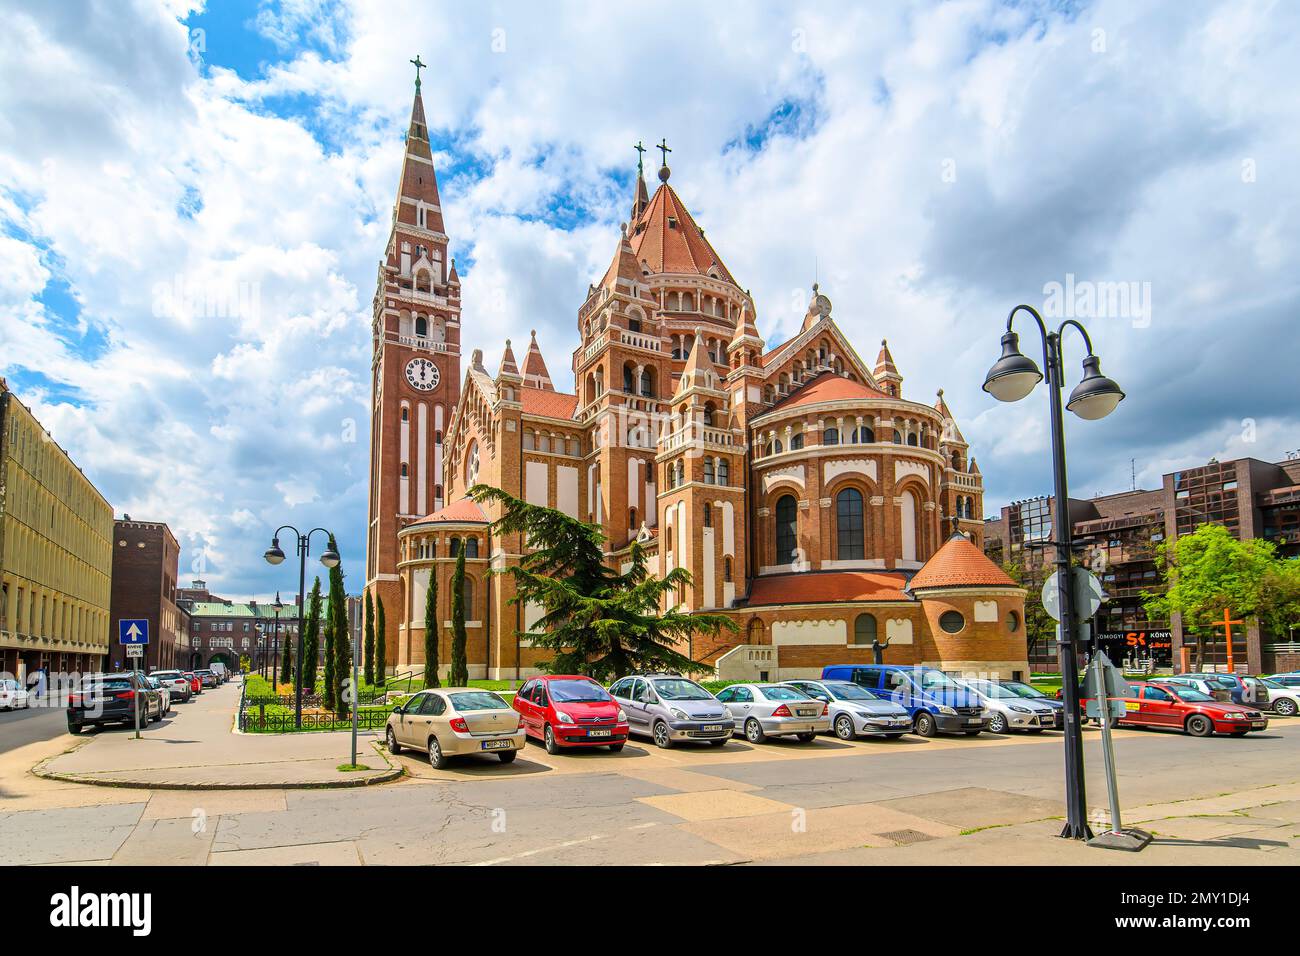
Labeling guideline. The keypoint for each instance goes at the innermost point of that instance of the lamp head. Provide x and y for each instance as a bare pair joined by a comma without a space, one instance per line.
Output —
1096,395
273,554
330,558
1014,375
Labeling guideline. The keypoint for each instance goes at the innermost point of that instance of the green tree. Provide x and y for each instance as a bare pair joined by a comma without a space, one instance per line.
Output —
459,675
1204,573
431,630
369,649
327,627
286,660
1039,625
381,645
311,638
1279,600
338,613
596,620
245,663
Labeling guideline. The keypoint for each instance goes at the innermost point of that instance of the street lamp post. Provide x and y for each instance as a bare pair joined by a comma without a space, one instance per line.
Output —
274,556
275,655
1012,378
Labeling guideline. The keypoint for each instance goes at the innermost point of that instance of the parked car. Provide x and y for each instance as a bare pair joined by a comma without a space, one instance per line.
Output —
936,702
1210,686
1283,700
13,695
1030,692
1289,679
196,682
571,711
1179,707
209,678
180,686
111,699
452,722
1010,711
222,672
1245,690
775,710
669,708
162,689
855,711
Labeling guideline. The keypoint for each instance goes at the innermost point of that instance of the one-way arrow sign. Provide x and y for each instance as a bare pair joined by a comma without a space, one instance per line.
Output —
133,630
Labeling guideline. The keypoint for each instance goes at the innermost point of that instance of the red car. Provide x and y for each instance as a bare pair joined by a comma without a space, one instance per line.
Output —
1179,707
570,711
196,685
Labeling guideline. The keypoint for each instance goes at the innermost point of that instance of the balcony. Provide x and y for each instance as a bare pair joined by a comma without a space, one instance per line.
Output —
701,436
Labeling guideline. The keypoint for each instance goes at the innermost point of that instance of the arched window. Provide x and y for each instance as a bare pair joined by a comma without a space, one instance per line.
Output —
849,525
830,435
631,519
454,549
724,471
796,441
648,382
627,379
406,414
404,469
467,595
911,439
726,572
864,629
786,530
898,438
471,547
471,465
708,515
708,471
421,327
681,472
708,414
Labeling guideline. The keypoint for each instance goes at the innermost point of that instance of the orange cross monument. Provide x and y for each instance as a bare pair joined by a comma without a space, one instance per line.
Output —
1226,624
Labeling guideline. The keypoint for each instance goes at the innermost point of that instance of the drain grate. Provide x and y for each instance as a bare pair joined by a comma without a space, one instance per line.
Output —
906,837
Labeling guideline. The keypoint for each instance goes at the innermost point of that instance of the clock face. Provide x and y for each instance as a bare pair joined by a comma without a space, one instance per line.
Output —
422,374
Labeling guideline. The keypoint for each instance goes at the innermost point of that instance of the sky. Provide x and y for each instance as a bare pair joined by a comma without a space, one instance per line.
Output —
194,201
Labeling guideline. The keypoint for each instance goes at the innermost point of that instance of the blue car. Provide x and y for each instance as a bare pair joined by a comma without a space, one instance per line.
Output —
937,703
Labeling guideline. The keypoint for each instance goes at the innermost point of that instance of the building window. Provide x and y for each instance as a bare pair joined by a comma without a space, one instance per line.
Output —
796,441
952,621
471,547
631,519
1013,621
723,471
726,569
708,471
708,515
830,436
864,629
786,532
849,525
454,550
421,327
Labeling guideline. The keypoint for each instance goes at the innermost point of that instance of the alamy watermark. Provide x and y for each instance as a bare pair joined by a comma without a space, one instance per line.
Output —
1087,299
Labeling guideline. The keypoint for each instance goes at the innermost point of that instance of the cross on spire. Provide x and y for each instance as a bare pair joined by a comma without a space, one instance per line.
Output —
664,148
640,157
418,67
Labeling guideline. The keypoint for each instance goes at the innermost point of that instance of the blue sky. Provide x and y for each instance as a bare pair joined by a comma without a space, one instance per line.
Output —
193,200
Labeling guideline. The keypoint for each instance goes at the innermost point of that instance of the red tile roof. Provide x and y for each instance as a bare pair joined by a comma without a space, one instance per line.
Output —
678,246
548,404
960,564
459,512
827,587
828,387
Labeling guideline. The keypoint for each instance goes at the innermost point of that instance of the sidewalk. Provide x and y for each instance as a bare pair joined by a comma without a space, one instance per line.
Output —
196,748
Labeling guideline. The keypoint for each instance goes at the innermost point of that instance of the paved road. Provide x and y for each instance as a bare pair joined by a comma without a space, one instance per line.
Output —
30,725
906,799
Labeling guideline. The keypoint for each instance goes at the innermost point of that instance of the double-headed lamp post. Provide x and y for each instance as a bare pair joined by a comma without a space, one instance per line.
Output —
329,558
275,655
1012,378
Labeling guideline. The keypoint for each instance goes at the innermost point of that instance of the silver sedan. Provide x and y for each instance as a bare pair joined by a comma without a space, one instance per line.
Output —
1007,710
855,711
775,710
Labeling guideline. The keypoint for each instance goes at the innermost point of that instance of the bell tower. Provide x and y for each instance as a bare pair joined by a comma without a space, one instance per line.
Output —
415,368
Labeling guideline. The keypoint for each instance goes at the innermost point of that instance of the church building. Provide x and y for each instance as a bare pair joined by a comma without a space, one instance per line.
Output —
831,517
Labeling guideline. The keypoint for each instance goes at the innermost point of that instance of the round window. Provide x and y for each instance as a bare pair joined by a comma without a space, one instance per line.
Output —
1013,621
951,621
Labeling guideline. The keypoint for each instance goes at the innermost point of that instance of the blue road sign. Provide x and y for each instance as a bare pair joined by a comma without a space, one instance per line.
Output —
133,630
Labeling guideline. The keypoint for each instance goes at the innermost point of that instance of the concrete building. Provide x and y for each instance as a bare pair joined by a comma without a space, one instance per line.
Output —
55,552
807,496
1117,534
146,557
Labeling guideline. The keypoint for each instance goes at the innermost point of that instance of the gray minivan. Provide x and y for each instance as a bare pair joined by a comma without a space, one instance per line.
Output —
668,708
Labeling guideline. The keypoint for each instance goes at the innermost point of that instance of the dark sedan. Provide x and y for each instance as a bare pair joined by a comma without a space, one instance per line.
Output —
111,699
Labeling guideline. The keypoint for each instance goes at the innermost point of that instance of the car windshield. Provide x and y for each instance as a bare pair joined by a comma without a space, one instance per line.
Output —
577,692
843,690
677,688
783,693
113,683
997,691
1023,690
1271,684
937,680
1190,694
170,675
8,685
477,700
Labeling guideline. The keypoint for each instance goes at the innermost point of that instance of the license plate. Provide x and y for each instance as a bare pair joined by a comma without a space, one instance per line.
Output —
805,713
974,720
711,728
599,733
498,744
1259,724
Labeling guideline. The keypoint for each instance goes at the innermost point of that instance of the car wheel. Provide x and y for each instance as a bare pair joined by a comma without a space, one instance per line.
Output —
924,726
1199,725
74,728
997,723
806,738
844,727
718,743
754,731
436,758
615,748
662,738
1284,706
507,756
548,739
391,739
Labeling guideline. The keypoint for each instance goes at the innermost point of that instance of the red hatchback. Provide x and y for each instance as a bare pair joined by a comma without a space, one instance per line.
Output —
196,685
1178,707
570,711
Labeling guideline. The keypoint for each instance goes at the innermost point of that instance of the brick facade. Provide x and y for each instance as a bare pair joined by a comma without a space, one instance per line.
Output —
145,566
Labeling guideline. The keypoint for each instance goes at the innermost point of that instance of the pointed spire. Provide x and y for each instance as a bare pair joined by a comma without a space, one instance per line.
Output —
974,468
534,371
642,197
508,366
417,190
819,307
699,368
624,268
745,327
886,372
452,277
951,433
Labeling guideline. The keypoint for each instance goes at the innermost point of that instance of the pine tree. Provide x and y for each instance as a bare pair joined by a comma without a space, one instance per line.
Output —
381,648
338,613
369,675
286,660
431,630
596,620
311,639
459,675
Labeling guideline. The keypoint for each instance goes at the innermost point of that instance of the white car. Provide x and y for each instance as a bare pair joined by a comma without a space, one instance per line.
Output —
1009,711
13,695
165,690
761,711
1282,699
176,682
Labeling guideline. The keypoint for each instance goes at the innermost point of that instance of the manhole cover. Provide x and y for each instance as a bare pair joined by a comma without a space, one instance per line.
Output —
905,837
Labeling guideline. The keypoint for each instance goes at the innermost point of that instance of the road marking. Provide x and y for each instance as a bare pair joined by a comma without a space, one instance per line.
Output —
540,849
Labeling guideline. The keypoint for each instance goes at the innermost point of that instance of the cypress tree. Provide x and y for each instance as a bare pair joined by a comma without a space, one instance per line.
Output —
338,614
381,652
369,646
459,676
431,630
286,661
311,639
